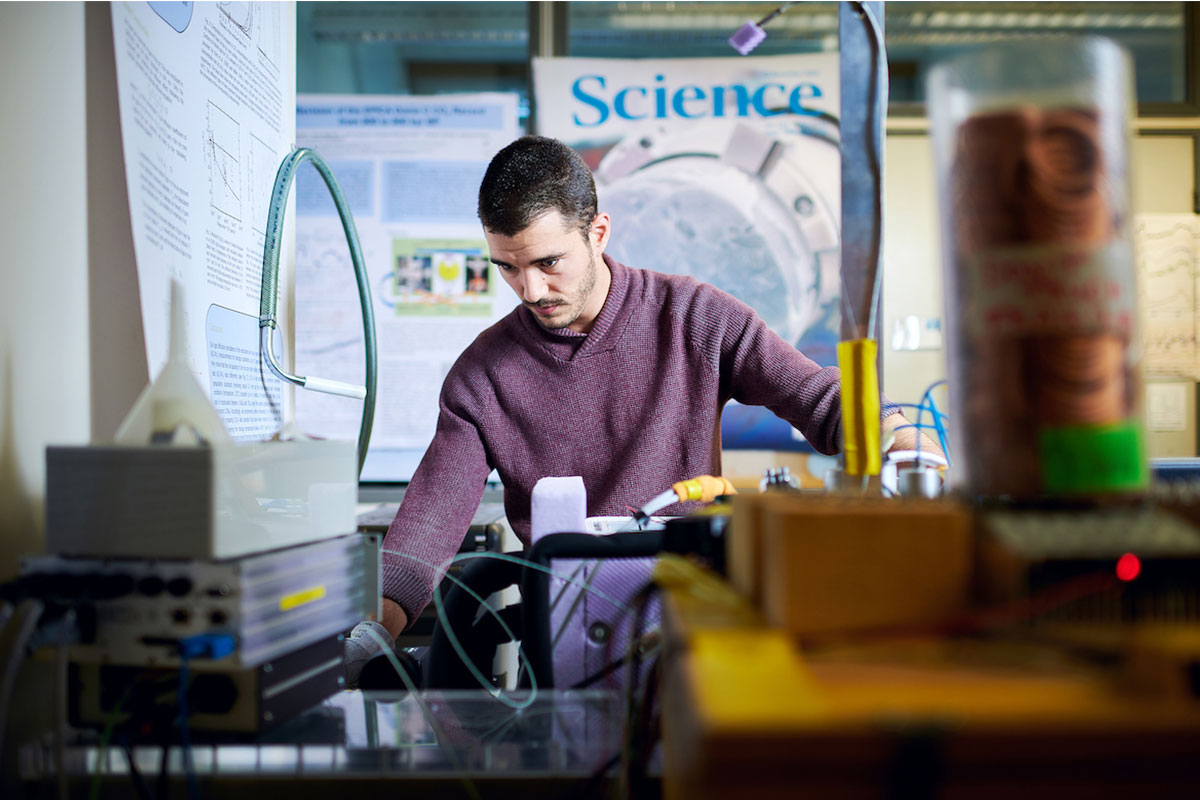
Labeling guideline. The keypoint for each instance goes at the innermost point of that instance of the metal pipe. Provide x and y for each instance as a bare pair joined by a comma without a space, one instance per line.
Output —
315,384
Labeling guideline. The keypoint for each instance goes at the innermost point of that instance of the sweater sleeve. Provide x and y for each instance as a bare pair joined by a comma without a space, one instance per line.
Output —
437,508
764,370
759,368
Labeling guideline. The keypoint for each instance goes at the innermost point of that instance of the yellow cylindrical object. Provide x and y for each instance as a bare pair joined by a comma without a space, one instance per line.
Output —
860,407
704,488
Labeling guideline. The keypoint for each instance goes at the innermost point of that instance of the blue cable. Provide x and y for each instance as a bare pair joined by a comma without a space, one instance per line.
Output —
920,407
204,645
929,406
938,418
185,741
927,399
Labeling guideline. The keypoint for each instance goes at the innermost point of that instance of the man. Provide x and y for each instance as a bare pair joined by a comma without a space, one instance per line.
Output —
605,371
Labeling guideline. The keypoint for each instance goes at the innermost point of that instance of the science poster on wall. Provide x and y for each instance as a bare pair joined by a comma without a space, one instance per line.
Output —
726,169
1168,259
206,95
410,169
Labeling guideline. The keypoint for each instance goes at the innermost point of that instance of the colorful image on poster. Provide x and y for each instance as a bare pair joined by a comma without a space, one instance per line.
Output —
441,277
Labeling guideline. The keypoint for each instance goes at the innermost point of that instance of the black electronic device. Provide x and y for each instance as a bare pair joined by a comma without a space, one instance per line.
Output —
220,699
486,531
1099,568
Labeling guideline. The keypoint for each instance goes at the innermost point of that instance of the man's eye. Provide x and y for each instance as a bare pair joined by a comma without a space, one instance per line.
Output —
506,268
549,263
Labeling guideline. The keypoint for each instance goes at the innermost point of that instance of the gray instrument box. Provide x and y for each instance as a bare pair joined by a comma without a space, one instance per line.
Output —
271,603
201,502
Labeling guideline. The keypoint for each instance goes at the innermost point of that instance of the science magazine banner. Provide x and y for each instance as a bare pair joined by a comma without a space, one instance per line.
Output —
726,169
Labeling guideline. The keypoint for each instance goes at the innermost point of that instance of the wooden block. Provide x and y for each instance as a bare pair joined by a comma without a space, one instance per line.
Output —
831,564
743,542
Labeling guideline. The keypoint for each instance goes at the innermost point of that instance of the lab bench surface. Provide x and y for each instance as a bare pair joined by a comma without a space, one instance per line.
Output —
437,744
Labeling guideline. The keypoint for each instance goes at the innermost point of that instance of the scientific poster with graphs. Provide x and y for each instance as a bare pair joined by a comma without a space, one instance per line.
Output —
410,169
1168,256
206,94
727,169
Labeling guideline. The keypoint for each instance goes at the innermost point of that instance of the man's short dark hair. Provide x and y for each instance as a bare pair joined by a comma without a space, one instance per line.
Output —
531,176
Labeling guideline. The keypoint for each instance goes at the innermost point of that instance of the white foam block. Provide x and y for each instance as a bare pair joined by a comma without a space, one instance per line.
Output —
558,505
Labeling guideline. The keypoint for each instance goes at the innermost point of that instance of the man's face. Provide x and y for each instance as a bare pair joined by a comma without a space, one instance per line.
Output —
555,271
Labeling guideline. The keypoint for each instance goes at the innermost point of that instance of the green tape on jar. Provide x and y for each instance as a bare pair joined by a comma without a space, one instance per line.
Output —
1085,459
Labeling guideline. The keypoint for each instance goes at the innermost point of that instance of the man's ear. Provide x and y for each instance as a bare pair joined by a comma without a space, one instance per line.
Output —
601,229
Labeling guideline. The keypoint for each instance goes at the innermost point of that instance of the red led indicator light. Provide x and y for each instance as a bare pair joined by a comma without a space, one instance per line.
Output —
1128,567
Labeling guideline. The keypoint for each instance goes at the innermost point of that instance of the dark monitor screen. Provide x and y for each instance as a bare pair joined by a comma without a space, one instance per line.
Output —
1175,470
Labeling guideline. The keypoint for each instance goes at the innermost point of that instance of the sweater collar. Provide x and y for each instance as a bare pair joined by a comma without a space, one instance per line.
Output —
567,344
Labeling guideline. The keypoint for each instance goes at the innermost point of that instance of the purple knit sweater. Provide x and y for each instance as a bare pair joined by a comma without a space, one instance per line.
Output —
633,406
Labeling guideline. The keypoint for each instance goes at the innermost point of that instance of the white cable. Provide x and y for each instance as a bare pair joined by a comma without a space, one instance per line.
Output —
916,455
453,639
657,504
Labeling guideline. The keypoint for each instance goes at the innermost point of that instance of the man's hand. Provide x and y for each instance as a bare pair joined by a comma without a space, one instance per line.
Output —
370,638
906,438
367,640
394,618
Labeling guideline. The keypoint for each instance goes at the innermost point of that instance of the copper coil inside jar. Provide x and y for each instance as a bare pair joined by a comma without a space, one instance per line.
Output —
1034,182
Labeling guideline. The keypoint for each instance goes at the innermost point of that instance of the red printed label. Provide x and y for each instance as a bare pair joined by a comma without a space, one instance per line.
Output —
1050,290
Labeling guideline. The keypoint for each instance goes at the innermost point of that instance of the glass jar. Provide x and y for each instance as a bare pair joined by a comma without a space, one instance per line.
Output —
1030,144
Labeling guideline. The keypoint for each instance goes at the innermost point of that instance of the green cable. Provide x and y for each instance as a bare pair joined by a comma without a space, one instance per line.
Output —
453,639
439,607
528,565
102,749
270,274
460,651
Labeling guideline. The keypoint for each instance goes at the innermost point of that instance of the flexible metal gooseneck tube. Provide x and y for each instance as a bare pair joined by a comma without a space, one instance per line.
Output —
270,288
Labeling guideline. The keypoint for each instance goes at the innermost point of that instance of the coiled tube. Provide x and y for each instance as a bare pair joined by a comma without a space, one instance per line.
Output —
270,288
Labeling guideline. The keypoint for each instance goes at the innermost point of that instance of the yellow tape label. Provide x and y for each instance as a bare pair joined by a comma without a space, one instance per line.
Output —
860,407
297,599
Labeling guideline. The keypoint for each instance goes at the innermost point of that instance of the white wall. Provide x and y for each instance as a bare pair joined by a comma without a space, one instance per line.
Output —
1162,181
912,270
44,362
1163,175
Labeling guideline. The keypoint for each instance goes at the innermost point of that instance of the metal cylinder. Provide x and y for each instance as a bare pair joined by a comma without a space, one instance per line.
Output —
919,482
